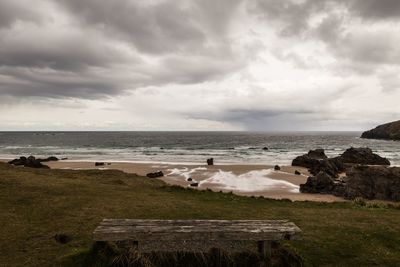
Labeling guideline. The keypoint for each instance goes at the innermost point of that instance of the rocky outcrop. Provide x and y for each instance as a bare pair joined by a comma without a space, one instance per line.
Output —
310,159
316,161
155,174
30,162
363,155
388,131
332,167
321,183
367,175
369,182
373,182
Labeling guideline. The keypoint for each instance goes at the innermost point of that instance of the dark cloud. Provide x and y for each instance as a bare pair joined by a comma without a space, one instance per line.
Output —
59,51
151,28
12,11
330,29
360,49
256,118
376,9
164,27
23,82
292,15
89,49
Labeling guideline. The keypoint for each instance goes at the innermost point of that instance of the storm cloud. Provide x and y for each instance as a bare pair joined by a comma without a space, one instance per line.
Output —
217,65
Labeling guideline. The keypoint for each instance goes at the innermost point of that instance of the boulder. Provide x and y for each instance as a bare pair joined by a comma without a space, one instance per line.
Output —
310,159
210,161
194,184
52,158
99,164
155,174
277,168
332,166
317,154
265,148
297,172
321,183
363,155
388,131
373,182
189,179
30,162
18,162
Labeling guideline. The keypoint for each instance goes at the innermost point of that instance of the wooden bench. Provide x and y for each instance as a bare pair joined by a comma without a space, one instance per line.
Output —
197,235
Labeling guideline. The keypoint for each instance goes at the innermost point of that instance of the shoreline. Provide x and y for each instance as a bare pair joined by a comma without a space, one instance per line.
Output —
242,179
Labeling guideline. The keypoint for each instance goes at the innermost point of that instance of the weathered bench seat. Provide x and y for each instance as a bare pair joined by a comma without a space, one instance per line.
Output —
197,235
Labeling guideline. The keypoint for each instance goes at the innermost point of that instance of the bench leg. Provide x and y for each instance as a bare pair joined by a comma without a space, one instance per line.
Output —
264,248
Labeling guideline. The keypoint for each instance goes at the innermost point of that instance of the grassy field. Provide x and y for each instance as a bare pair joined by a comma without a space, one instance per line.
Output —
37,204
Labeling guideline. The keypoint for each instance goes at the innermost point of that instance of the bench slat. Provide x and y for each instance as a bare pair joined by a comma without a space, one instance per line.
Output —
164,230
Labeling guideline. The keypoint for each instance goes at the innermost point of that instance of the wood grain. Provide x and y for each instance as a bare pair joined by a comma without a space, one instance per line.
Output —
196,230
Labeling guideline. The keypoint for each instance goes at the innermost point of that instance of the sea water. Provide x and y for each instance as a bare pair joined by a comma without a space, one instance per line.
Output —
188,147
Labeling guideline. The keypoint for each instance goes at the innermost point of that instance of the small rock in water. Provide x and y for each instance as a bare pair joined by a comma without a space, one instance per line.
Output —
194,184
62,238
210,161
277,168
99,164
297,172
155,174
189,179
265,148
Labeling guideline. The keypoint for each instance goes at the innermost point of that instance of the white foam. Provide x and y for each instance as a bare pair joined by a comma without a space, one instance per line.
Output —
185,172
252,181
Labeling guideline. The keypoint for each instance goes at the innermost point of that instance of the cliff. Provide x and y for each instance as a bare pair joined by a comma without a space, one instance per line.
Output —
388,131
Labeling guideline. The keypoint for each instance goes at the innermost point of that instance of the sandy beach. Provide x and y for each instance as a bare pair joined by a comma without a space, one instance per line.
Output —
248,180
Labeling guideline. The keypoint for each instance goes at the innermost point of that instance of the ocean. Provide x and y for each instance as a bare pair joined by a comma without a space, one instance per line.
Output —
187,147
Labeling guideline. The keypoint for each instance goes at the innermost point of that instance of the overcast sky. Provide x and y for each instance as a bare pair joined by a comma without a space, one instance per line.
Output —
199,65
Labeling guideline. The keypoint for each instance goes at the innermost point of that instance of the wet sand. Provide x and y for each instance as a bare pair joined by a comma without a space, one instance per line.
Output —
248,180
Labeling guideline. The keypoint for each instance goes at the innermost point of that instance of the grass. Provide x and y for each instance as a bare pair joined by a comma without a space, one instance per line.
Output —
37,204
